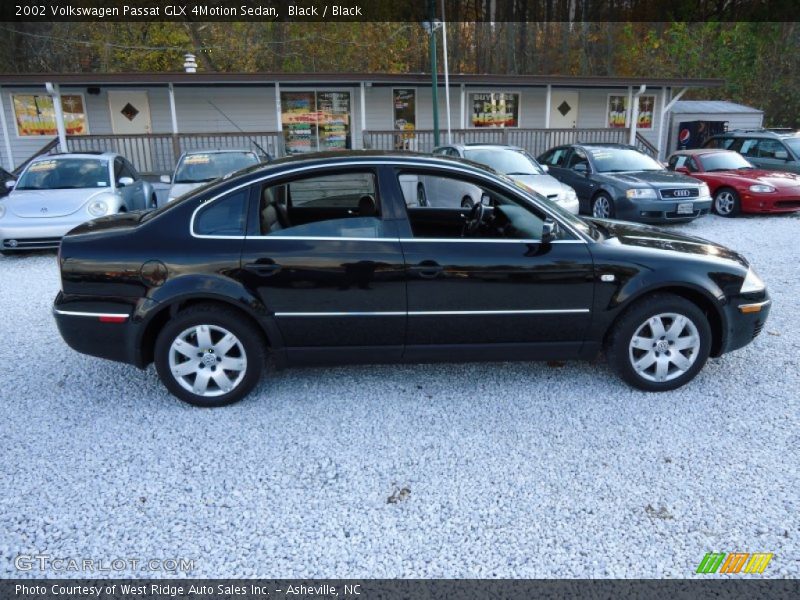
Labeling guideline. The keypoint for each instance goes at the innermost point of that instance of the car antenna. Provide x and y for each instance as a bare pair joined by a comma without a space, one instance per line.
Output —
231,121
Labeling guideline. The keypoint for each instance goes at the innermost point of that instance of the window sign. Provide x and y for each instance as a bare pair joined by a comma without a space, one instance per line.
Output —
315,121
617,111
646,111
35,115
405,116
494,109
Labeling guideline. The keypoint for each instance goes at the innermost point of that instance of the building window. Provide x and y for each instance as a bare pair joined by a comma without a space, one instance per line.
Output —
404,101
647,106
617,111
315,121
494,109
35,116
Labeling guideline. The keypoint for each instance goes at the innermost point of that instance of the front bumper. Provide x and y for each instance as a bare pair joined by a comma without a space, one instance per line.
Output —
573,206
745,317
36,234
776,202
660,211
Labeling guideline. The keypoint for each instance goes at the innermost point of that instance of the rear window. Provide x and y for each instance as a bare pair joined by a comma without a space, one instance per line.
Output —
223,217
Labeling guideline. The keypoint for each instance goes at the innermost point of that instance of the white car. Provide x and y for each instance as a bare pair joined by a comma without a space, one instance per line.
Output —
58,192
198,167
517,164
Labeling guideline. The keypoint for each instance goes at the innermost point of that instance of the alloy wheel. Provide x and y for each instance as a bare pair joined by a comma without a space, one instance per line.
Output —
601,208
724,202
664,347
207,360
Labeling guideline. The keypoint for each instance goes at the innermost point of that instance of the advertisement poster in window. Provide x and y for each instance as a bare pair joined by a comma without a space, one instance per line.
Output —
617,111
35,115
404,101
646,109
299,122
494,109
333,125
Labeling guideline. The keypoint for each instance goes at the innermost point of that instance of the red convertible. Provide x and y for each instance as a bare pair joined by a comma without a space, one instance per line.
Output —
736,185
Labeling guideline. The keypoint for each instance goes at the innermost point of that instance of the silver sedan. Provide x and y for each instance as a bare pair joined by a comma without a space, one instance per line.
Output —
58,192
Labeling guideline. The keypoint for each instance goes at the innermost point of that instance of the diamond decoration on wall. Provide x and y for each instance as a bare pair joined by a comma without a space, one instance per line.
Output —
564,108
129,111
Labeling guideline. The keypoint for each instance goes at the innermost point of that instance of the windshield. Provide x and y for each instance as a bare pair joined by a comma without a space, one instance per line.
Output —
794,144
724,161
199,168
65,173
505,160
617,160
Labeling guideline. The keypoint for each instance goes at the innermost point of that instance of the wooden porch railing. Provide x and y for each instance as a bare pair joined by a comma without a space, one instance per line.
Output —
535,141
158,153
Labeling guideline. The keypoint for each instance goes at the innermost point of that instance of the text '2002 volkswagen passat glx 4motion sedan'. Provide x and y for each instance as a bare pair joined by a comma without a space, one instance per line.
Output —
327,258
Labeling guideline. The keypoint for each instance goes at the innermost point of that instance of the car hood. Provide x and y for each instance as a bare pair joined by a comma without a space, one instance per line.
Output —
50,203
658,178
644,236
777,179
546,185
179,189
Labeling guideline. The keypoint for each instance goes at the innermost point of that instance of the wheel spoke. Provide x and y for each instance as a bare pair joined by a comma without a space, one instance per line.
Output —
185,368
642,343
680,361
677,327
226,343
185,348
203,336
662,367
201,382
657,327
645,362
222,380
684,343
230,363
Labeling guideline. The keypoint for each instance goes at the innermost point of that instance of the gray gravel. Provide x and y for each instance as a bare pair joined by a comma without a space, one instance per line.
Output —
488,470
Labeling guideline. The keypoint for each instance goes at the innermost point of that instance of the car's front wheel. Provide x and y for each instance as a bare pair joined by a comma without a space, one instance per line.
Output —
727,203
208,355
603,206
660,343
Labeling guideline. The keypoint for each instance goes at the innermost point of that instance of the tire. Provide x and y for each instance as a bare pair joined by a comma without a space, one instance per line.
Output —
638,323
245,354
466,202
727,203
422,197
602,203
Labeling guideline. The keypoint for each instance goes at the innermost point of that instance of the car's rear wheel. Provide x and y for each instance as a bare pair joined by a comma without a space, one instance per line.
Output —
603,206
209,355
727,203
660,343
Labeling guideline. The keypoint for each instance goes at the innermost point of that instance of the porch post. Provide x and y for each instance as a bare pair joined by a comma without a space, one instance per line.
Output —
547,102
629,110
664,112
635,114
463,106
363,111
659,155
55,93
278,128
172,111
9,155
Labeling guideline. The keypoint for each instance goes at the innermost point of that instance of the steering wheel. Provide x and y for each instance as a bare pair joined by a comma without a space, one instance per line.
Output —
474,218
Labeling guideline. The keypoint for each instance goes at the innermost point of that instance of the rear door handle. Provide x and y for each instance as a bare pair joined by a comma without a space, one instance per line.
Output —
427,269
263,269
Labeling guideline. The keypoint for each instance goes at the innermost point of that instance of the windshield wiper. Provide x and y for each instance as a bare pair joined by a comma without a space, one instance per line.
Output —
521,173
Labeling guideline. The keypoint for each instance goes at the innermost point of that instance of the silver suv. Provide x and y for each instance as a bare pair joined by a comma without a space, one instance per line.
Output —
764,148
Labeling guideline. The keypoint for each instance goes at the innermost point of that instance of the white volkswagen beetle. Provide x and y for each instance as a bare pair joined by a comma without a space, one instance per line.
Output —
55,193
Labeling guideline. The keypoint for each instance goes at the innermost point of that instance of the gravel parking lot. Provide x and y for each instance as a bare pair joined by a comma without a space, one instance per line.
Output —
455,470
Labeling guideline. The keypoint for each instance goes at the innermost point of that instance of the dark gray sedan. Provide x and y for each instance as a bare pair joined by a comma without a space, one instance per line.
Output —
614,181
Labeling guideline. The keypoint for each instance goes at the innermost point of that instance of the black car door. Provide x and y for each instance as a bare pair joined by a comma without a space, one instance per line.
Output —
326,262
577,172
492,292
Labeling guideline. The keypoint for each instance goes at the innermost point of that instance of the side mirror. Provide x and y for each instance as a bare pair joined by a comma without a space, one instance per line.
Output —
782,155
684,170
545,168
123,181
548,231
581,168
166,179
11,183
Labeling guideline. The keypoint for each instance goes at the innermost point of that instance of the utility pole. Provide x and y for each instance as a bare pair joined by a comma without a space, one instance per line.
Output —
434,69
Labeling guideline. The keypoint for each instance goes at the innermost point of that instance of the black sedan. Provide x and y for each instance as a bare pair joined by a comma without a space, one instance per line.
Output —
322,259
614,181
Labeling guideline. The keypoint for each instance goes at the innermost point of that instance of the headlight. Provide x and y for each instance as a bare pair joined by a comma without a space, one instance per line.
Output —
2,210
762,188
704,190
639,193
98,208
752,283
567,194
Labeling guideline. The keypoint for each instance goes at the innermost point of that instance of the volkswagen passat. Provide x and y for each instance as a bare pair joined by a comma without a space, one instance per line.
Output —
57,192
321,259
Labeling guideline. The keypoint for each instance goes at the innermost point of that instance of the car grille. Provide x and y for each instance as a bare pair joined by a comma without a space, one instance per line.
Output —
788,203
31,243
679,193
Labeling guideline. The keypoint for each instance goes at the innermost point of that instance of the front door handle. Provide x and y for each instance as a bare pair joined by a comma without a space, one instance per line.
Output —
427,269
263,269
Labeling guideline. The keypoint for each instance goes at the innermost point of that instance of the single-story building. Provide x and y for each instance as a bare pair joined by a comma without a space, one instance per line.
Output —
152,117
692,122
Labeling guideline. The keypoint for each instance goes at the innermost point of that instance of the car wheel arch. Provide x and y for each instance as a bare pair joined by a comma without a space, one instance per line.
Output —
697,295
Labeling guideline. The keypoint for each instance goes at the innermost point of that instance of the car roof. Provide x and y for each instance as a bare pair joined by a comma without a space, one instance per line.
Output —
480,145
87,154
219,151
699,151
765,133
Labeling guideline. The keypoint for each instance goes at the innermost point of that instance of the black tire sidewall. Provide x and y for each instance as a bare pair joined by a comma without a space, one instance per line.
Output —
252,343
636,315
